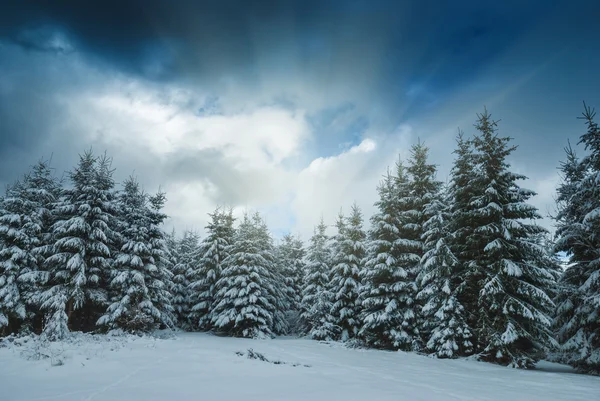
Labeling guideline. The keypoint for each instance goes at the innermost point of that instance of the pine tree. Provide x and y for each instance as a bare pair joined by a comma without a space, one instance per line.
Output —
289,256
17,238
383,278
316,297
182,270
407,249
214,249
513,316
422,189
81,259
440,281
161,279
137,276
350,251
462,189
244,291
276,292
578,218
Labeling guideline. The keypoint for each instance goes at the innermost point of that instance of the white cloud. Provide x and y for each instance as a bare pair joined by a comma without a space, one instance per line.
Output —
338,181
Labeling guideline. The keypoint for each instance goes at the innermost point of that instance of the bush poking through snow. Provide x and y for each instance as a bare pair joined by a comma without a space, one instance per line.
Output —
261,357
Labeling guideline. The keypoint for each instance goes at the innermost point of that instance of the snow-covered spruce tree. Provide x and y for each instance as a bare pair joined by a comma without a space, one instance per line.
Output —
214,249
422,189
244,302
443,315
513,316
384,280
407,249
187,260
289,257
136,275
462,189
578,228
276,290
345,281
316,300
42,189
17,239
161,279
75,293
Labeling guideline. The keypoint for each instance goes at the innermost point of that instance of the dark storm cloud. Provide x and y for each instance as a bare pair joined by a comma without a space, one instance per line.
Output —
168,39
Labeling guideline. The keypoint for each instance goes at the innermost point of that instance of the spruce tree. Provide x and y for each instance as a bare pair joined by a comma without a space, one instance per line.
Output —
75,293
244,306
289,256
17,239
214,249
161,279
384,279
350,251
408,248
182,270
444,316
422,189
513,315
139,300
316,297
578,218
462,188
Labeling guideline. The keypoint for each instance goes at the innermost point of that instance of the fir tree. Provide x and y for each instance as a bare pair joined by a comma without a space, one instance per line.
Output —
316,297
160,281
422,189
461,223
578,218
137,276
214,249
407,250
182,270
440,282
384,279
17,238
350,251
289,257
81,259
513,316
244,291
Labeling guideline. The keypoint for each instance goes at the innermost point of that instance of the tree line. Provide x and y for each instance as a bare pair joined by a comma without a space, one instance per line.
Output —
450,269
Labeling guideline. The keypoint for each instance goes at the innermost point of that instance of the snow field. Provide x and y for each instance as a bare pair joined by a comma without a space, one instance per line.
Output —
193,366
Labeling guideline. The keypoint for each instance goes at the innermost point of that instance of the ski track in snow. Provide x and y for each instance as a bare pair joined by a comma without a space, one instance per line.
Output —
204,367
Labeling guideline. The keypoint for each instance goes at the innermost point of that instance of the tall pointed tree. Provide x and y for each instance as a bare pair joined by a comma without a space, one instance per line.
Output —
578,300
75,292
316,297
384,280
289,257
461,226
513,315
182,270
244,293
345,281
17,239
407,249
423,189
448,334
214,249
137,276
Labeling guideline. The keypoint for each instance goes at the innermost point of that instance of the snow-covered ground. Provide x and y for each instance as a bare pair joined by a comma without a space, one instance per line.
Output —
201,367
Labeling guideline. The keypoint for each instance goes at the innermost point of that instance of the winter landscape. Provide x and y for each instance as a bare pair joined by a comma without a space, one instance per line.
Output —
233,201
194,366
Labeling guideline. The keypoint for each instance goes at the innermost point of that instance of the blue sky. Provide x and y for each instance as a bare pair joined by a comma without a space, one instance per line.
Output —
294,108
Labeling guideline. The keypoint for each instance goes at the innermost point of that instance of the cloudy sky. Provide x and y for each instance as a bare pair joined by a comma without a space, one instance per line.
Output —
292,108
